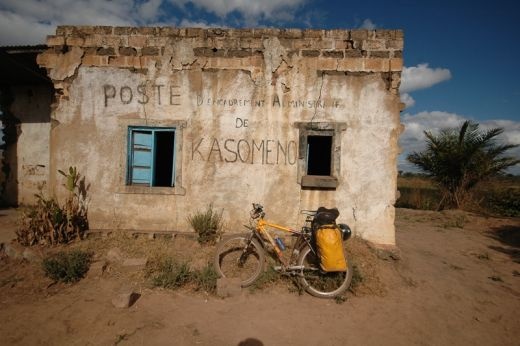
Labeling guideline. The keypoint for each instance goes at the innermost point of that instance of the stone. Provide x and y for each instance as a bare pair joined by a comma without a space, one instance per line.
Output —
13,251
228,287
387,252
136,263
125,298
114,255
31,255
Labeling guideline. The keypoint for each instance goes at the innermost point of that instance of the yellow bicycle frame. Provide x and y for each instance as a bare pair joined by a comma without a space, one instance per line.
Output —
262,226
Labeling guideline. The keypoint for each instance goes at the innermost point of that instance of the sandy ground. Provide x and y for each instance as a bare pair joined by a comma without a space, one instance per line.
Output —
457,283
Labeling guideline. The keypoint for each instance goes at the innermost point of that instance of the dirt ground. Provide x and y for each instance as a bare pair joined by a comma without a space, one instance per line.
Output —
457,283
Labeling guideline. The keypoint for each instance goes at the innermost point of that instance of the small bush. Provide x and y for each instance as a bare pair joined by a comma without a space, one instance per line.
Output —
206,279
504,202
48,222
169,273
207,224
67,266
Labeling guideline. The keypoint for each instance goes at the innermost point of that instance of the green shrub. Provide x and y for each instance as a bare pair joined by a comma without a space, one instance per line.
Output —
48,222
206,279
505,202
67,266
169,273
418,198
207,224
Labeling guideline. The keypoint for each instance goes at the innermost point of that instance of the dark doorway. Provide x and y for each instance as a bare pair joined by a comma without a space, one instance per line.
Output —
164,144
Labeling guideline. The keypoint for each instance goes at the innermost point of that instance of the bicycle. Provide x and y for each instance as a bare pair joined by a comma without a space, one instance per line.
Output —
244,256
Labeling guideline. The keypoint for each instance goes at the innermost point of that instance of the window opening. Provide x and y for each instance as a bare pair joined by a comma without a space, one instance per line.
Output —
319,155
151,156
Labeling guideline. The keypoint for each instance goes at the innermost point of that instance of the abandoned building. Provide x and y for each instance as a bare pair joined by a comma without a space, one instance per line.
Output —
164,121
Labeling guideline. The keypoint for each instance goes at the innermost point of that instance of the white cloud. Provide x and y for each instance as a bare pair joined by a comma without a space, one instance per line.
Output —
422,77
150,9
30,21
413,139
250,10
407,100
368,24
186,23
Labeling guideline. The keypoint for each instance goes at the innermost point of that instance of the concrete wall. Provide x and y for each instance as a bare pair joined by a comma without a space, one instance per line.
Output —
238,99
29,157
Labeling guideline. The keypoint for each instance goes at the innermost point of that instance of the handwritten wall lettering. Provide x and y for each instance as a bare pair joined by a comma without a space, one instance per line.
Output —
239,122
158,94
241,150
276,102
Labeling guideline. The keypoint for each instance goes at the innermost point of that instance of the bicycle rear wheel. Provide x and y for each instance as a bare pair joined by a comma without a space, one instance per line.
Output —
319,283
239,258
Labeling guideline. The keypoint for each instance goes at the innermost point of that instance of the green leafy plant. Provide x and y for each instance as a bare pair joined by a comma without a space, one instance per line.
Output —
67,266
48,222
458,159
208,224
169,273
206,279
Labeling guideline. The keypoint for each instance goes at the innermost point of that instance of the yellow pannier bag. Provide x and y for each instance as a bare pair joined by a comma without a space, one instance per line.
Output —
330,249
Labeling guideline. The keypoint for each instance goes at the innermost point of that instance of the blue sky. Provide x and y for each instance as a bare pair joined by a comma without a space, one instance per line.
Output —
461,57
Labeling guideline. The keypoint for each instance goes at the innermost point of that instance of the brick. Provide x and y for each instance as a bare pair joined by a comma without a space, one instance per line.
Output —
146,30
351,64
327,64
115,41
105,51
303,43
291,33
312,33
239,53
122,61
324,44
169,31
47,59
396,64
55,40
373,44
93,41
92,60
376,65
395,44
103,30
209,52
397,54
341,44
310,53
75,41
195,32
353,53
337,34
137,41
127,51
379,54
337,54
359,35
122,30
154,51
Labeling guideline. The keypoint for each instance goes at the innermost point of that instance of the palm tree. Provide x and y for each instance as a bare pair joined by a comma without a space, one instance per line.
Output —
459,159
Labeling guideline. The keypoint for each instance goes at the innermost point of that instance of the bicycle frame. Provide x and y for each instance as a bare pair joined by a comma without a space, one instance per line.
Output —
262,228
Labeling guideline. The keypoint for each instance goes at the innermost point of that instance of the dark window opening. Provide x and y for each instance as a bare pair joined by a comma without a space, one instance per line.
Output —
319,155
151,156
163,170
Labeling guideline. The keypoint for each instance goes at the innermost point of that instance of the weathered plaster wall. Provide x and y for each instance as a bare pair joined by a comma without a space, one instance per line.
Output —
236,97
29,156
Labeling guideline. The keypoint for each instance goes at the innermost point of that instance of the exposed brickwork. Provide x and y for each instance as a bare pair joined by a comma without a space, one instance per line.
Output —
378,51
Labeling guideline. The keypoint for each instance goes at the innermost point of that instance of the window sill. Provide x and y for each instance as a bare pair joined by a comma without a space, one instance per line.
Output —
319,181
148,190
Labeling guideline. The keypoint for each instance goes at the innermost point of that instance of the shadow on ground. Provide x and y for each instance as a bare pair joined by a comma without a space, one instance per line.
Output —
509,236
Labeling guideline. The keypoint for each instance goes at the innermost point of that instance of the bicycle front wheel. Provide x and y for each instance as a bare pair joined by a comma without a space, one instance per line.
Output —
319,283
239,258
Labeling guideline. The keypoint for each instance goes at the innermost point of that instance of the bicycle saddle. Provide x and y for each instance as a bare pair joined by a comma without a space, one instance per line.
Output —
326,216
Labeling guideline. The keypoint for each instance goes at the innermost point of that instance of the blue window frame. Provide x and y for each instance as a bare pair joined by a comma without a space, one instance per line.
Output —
151,156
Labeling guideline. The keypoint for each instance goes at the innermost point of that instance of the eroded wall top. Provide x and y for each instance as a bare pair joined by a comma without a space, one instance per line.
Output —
262,52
